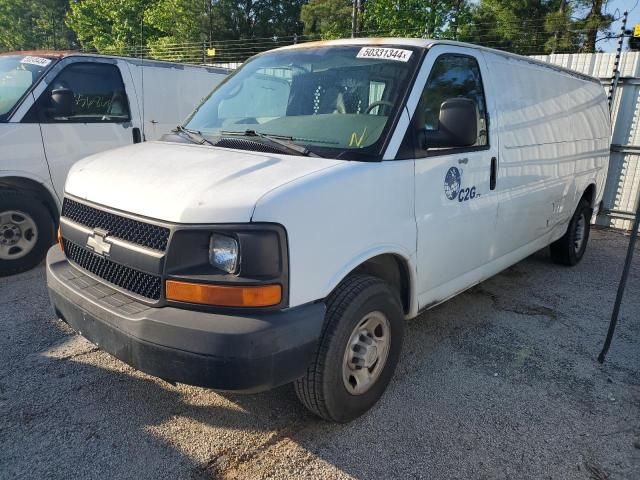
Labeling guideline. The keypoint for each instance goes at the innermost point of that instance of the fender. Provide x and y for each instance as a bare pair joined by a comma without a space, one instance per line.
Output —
368,254
28,175
27,181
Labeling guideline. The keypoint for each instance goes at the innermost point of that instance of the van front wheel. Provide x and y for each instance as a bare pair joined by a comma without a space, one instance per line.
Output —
570,249
357,352
26,232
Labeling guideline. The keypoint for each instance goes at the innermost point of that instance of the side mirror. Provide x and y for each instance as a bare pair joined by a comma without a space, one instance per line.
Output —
457,125
62,102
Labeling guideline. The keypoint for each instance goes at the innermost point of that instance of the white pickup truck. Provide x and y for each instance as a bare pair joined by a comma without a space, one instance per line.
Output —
59,107
315,200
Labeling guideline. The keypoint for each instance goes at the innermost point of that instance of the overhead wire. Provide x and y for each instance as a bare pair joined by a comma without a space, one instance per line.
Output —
238,50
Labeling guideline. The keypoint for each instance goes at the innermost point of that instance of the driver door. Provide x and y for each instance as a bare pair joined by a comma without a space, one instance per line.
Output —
101,117
455,197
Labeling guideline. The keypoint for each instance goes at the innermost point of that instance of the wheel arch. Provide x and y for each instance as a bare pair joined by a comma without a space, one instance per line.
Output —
589,194
37,189
395,270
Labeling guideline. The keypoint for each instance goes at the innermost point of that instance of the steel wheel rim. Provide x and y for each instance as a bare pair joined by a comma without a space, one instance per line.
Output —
581,230
18,234
366,353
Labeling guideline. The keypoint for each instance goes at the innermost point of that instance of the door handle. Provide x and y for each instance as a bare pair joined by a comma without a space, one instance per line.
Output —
137,137
494,173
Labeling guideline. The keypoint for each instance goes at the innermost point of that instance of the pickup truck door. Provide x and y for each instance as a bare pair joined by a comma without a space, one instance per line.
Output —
104,114
455,198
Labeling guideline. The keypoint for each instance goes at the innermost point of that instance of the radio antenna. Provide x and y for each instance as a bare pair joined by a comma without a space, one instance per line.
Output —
144,138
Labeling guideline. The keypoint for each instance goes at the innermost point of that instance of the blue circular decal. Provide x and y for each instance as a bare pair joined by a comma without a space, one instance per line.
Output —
452,182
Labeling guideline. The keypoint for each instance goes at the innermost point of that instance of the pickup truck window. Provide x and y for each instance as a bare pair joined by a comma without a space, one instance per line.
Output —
452,76
340,100
99,95
17,74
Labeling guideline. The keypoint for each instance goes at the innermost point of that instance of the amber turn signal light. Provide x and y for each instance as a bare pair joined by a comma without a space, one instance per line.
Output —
59,239
224,295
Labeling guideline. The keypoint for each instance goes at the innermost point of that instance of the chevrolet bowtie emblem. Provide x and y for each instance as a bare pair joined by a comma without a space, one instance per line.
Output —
98,243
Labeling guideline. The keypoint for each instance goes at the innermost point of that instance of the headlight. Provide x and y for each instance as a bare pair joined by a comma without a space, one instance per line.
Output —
228,265
224,253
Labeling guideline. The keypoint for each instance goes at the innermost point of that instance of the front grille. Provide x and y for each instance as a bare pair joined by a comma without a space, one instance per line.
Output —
140,283
134,231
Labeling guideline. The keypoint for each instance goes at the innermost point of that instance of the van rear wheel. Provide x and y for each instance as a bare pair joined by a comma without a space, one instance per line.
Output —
570,249
26,232
357,352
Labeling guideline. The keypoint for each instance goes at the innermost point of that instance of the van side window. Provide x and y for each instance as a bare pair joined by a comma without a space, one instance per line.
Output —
452,76
99,95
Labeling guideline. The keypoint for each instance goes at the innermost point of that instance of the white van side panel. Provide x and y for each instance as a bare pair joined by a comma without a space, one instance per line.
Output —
554,141
23,154
591,131
171,92
340,217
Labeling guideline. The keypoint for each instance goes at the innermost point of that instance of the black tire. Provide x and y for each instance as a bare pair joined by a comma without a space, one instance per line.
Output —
33,208
322,389
565,250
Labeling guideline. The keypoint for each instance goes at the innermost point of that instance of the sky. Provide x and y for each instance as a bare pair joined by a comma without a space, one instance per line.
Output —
616,7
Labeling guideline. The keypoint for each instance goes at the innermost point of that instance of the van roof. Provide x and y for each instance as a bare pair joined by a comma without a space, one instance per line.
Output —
41,53
428,43
60,54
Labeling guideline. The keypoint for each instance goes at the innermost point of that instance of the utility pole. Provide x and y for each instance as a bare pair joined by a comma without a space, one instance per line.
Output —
354,18
556,34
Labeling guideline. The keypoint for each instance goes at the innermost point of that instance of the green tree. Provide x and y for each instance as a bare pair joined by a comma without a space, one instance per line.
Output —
109,26
279,18
259,18
31,24
513,25
415,18
559,25
538,26
595,21
179,27
328,18
178,20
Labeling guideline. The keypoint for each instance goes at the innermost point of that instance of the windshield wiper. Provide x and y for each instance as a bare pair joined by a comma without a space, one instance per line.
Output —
193,135
282,141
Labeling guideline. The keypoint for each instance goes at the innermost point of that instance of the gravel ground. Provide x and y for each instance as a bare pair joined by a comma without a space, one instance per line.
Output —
500,382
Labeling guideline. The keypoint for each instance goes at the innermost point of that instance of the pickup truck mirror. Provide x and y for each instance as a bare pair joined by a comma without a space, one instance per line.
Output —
457,125
62,102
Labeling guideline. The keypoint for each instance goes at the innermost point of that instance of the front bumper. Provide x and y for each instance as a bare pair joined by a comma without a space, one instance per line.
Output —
238,352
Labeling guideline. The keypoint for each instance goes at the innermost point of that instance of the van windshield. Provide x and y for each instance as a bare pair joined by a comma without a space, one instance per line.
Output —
17,74
336,101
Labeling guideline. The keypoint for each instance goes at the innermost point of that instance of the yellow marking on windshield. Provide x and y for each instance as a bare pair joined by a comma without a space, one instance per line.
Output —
355,140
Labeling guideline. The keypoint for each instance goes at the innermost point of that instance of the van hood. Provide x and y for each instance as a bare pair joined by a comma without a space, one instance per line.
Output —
185,183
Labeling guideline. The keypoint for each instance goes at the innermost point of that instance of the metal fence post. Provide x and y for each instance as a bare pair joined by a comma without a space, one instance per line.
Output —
616,65
622,284
636,223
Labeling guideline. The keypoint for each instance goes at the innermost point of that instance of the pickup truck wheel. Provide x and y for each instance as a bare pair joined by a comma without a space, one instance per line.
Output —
570,249
26,232
357,352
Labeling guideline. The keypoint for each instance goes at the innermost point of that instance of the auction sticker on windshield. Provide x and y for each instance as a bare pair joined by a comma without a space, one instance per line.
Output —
41,62
396,54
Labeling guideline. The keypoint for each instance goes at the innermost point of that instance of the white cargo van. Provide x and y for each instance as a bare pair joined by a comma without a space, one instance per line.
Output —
316,199
56,108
